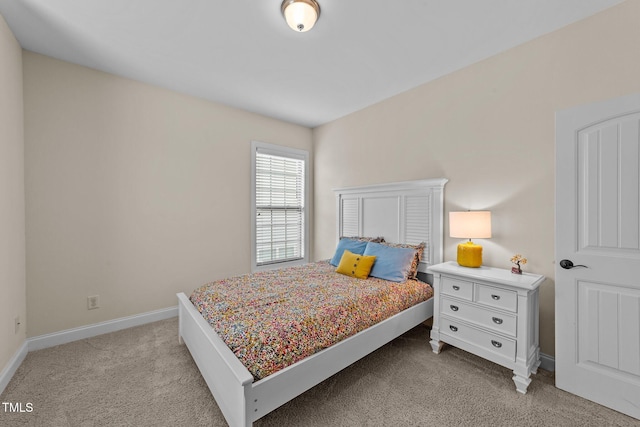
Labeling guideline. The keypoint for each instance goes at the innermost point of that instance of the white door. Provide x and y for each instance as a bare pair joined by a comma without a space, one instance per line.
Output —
598,226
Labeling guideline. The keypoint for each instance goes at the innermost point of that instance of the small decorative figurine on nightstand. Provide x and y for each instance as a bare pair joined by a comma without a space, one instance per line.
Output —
518,259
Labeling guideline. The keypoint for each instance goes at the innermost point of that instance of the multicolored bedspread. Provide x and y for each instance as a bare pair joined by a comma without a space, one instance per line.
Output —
273,319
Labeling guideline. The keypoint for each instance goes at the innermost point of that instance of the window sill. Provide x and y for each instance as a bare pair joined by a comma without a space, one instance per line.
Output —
279,265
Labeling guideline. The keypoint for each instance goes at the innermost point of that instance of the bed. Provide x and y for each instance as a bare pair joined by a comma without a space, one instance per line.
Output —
405,213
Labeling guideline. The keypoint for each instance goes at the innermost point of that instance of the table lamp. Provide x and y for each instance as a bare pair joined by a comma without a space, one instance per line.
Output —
470,225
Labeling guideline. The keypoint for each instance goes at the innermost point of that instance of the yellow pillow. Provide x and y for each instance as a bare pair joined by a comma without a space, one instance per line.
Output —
355,265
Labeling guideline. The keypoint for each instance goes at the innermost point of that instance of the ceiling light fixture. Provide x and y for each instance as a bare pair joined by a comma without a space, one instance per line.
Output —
301,15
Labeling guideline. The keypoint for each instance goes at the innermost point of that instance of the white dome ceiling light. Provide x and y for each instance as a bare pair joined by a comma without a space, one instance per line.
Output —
301,15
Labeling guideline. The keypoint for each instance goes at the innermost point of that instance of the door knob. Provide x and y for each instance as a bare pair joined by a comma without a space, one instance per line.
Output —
567,264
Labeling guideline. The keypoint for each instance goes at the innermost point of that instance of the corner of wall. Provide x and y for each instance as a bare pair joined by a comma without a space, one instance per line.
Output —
12,207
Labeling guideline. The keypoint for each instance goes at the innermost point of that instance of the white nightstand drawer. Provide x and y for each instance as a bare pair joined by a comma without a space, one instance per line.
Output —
488,318
494,343
497,297
458,288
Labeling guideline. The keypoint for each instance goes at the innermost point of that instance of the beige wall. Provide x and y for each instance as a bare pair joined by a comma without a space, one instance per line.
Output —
12,238
133,192
489,129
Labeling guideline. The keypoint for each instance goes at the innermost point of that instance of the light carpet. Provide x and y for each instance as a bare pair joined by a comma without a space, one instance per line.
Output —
143,377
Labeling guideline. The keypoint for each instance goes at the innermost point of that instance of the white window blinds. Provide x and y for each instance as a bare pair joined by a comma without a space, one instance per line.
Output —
280,195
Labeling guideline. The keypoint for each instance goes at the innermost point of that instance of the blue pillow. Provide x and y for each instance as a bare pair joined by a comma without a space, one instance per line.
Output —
354,246
391,263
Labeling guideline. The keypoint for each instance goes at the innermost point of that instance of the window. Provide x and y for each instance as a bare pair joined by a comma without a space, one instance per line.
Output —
279,201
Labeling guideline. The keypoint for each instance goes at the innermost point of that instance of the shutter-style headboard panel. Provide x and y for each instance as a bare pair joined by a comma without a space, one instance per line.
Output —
401,212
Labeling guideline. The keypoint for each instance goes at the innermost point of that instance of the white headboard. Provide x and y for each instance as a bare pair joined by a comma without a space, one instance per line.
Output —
401,212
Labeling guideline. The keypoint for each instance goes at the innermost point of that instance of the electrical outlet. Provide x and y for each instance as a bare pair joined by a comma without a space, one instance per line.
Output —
16,321
93,302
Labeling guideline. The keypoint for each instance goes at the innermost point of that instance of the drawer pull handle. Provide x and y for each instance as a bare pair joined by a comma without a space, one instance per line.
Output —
497,320
453,328
496,344
495,297
456,288
454,307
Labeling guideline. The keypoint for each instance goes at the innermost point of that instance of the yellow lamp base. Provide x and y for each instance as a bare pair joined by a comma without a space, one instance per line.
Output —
469,254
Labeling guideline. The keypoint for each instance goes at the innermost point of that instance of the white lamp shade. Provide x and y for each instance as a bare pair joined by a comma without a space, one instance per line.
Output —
470,224
301,15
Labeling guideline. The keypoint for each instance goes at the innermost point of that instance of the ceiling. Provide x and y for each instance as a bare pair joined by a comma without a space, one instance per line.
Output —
241,52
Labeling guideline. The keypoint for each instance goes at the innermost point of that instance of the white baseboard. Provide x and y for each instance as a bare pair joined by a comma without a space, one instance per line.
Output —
13,365
75,334
548,363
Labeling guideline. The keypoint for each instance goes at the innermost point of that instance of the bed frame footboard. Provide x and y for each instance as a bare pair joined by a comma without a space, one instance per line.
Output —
229,381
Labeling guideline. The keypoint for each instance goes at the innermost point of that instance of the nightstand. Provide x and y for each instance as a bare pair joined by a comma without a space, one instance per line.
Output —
489,312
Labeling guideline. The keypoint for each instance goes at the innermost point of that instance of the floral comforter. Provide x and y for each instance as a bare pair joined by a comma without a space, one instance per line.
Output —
273,319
